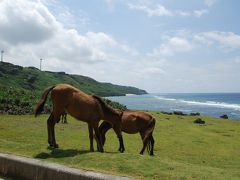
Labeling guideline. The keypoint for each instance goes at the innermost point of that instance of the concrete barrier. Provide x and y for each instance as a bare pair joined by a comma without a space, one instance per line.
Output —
27,168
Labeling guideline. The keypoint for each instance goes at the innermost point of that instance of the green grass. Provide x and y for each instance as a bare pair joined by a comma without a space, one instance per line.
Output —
183,150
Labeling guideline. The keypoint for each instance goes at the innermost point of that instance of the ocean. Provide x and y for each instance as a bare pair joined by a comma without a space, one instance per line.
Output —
210,104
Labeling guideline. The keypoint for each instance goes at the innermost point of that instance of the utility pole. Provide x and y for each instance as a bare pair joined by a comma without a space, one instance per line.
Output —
2,51
41,64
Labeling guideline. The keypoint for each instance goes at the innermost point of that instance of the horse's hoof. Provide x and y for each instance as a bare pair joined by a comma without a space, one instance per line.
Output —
121,150
50,147
100,150
55,146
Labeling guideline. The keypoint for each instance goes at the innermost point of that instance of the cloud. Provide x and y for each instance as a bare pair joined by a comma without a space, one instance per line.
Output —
159,10
209,3
172,46
199,13
69,17
25,22
95,54
29,31
225,39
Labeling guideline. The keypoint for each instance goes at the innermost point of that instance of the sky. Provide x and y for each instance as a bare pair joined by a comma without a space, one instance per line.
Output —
161,46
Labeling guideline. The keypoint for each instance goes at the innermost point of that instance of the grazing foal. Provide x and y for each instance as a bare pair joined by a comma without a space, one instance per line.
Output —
132,123
83,107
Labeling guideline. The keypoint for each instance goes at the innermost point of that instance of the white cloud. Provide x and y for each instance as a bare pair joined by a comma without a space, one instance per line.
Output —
209,3
70,18
172,46
199,13
225,39
25,22
160,10
27,28
183,13
95,54
30,31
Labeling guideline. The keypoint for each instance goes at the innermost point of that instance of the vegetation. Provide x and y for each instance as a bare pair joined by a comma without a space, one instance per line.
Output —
20,102
21,87
30,78
183,150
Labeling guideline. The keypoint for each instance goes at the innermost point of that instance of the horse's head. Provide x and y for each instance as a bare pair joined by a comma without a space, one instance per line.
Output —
117,115
110,114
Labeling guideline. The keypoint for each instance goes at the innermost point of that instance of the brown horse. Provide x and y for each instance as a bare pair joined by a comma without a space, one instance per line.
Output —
132,123
83,107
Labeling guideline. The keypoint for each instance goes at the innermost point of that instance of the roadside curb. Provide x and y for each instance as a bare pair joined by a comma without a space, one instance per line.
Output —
27,168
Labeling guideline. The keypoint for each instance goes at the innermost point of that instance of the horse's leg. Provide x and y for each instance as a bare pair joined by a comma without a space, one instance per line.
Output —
98,138
152,145
55,145
51,134
120,138
49,129
145,139
90,130
65,118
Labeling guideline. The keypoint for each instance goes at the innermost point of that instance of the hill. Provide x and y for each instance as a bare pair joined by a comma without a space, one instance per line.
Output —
21,87
31,78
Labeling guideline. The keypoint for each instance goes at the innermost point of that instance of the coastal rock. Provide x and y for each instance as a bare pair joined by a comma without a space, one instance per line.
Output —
199,121
168,113
179,113
195,114
224,116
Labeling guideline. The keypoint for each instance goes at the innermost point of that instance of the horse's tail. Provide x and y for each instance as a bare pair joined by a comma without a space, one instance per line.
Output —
150,138
41,103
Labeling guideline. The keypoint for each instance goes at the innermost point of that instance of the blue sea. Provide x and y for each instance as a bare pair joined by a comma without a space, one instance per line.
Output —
210,104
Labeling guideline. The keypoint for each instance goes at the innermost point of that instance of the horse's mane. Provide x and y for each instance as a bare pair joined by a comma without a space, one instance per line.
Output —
105,106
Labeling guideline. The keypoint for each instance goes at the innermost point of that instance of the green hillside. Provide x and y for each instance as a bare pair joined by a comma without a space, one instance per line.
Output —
31,78
21,87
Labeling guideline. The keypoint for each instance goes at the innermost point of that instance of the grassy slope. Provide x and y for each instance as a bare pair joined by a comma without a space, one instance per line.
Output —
183,150
32,79
21,87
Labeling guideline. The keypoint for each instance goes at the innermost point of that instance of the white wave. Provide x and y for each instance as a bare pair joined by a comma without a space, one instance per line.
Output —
214,104
163,98
207,103
130,94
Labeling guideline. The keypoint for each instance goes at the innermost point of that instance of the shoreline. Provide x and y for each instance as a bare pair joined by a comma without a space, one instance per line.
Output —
213,105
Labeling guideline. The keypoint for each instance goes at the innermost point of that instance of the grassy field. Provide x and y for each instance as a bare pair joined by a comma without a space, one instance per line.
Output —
183,150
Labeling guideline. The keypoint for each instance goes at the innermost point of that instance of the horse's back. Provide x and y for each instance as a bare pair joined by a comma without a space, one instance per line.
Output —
77,103
135,121
140,115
